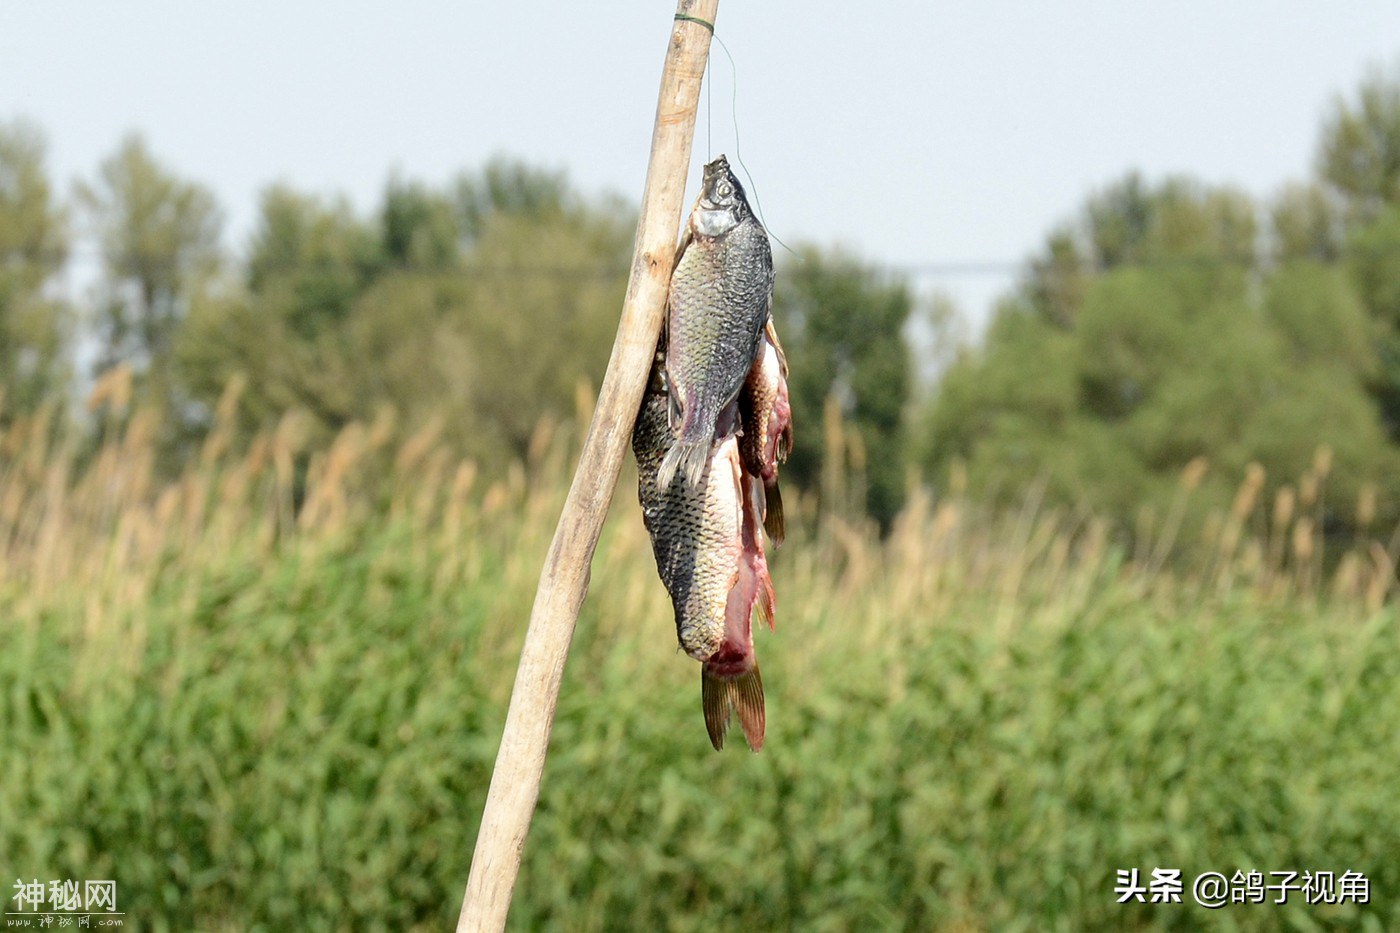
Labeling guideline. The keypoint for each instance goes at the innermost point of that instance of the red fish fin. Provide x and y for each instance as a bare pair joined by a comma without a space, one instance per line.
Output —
767,602
753,590
741,695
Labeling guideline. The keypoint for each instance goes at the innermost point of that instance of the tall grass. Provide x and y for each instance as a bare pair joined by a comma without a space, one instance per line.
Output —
267,694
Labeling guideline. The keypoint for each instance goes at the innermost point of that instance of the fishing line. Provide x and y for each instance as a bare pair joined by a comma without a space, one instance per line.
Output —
738,156
709,111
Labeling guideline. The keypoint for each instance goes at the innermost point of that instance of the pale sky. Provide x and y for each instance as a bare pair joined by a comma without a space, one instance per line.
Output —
910,132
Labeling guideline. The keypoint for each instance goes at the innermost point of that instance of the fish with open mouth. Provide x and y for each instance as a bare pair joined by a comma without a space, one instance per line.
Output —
719,302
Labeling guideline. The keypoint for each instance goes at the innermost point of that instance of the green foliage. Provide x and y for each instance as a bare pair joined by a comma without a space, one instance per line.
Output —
321,256
1375,264
1359,161
420,230
484,310
533,340
1320,317
1360,151
1307,224
295,731
33,247
1032,379
329,797
842,327
160,244
507,186
1129,222
1179,347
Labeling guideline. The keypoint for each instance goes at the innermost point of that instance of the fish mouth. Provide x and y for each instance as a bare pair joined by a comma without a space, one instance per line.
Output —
718,173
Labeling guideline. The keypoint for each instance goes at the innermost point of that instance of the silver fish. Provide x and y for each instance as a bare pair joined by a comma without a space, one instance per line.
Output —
709,554
720,297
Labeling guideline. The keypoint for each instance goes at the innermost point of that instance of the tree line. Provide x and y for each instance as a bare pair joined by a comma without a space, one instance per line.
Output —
483,305
1168,323
1176,322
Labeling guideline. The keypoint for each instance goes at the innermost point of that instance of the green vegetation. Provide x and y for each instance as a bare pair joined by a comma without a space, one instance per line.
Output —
842,327
33,328
255,719
1180,322
1168,322
1107,384
480,306
261,601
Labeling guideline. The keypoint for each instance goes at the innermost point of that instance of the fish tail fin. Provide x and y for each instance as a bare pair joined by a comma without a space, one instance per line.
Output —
741,695
773,521
687,457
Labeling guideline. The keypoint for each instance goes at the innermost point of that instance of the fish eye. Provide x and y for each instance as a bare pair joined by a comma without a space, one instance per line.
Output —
724,190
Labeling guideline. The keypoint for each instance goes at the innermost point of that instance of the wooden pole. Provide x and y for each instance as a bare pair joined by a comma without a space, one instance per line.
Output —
515,783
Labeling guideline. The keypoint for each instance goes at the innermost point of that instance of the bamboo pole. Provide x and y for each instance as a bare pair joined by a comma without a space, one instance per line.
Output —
515,783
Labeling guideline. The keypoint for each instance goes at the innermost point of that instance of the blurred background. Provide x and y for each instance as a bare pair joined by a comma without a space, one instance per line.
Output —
1093,318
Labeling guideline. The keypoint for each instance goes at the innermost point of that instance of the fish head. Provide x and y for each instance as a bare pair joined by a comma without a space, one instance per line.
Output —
722,204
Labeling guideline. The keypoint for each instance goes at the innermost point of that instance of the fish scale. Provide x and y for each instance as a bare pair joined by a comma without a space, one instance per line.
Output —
704,537
719,302
695,532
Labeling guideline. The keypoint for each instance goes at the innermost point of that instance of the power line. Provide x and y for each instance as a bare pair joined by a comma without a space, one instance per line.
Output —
922,269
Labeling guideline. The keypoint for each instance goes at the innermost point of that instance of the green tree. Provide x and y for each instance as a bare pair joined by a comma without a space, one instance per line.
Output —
1178,221
419,227
309,264
537,329
1180,347
489,319
321,255
1359,163
1360,151
842,325
508,186
1307,223
33,248
159,236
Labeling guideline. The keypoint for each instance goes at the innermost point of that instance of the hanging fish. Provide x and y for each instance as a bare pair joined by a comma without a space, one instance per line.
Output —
721,294
709,554
766,415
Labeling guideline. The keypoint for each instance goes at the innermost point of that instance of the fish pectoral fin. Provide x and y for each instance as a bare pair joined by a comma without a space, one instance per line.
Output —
687,234
767,602
784,445
741,695
773,521
688,458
